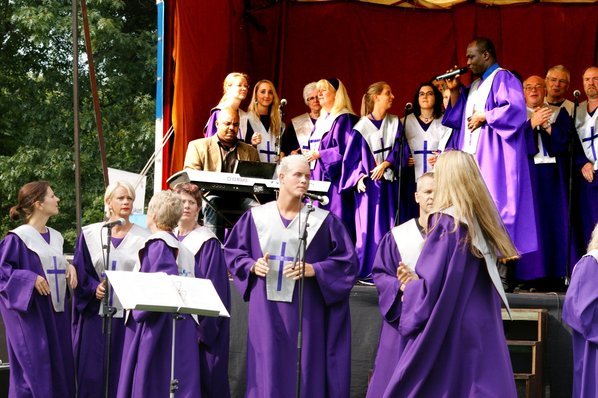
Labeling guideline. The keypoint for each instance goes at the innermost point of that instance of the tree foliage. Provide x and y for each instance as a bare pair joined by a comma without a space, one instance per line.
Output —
36,102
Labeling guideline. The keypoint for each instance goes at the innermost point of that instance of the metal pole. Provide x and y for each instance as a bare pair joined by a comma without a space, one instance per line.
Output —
77,146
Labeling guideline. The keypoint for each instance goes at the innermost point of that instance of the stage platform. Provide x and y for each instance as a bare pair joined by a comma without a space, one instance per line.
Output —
557,359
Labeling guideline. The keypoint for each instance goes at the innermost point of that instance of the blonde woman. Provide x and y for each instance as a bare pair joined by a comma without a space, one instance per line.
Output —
263,121
327,145
89,259
234,91
452,337
579,312
34,275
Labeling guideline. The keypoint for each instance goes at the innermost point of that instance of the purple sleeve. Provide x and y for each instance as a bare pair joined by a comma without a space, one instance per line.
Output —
580,310
209,264
441,269
393,157
16,283
505,109
85,297
453,116
384,272
238,249
337,273
332,152
357,161
210,127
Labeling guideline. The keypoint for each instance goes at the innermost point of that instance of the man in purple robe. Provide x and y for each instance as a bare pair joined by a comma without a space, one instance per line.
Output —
486,119
260,254
579,312
403,245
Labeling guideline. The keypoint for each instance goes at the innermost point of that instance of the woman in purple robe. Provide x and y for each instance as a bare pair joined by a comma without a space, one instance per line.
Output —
370,167
89,328
327,145
452,339
580,313
147,356
213,332
234,91
33,292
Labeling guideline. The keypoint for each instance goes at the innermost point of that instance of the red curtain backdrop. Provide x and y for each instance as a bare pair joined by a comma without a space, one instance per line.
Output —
293,43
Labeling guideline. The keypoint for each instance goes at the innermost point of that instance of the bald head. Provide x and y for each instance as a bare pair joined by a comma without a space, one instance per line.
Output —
227,125
534,88
590,83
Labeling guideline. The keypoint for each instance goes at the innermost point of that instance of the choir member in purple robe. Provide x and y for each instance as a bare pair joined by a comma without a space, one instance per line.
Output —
209,264
580,313
402,245
296,135
147,356
234,91
260,253
33,299
586,162
89,327
327,145
264,124
452,342
486,119
370,166
549,133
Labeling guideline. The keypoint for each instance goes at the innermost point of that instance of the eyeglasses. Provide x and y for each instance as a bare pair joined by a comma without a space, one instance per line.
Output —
426,93
311,99
532,88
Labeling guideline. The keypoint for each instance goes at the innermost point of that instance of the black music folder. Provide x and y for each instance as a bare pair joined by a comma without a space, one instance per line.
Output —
247,168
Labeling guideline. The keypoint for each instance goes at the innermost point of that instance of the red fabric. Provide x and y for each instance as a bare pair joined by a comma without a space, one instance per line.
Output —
360,43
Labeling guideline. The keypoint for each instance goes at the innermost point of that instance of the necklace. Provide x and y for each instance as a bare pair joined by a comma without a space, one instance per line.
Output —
426,119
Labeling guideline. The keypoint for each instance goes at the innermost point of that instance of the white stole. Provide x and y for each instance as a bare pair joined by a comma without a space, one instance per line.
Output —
196,238
587,130
489,258
542,156
423,142
282,243
476,101
268,148
409,241
303,127
122,258
322,127
52,259
380,141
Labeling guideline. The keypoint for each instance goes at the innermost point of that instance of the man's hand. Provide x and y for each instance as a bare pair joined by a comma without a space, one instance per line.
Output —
101,290
476,120
294,272
588,172
260,268
540,117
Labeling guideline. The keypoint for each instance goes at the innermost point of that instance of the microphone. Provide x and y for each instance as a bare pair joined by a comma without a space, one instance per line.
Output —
283,103
318,198
120,221
450,75
576,94
408,108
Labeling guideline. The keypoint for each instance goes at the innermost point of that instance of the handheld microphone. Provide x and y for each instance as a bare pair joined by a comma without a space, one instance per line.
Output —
318,198
283,103
449,75
120,221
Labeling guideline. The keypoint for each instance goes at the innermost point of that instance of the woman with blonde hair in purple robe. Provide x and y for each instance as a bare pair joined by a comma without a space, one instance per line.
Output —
34,275
580,313
452,337
234,91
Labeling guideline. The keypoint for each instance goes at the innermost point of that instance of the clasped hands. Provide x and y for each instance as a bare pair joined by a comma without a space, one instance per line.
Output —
293,271
405,275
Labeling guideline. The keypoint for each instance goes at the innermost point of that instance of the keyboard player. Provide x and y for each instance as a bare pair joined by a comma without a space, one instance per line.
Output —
219,153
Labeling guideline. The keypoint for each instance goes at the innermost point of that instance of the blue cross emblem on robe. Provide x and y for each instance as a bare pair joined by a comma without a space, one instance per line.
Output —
267,151
281,259
382,148
55,271
591,140
424,152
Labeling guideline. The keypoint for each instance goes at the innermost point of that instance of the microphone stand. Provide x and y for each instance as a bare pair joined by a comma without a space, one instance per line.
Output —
300,256
107,312
282,130
572,136
402,138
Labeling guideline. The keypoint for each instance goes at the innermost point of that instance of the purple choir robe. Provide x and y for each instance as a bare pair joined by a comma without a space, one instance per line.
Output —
550,187
384,272
146,361
375,209
273,326
38,338
502,155
210,127
214,332
329,168
451,333
580,312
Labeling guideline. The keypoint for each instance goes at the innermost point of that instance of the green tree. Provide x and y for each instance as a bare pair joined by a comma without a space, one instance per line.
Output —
36,126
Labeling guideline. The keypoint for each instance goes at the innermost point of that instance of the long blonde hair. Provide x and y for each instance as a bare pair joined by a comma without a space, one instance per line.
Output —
341,98
229,81
367,102
459,184
274,107
593,245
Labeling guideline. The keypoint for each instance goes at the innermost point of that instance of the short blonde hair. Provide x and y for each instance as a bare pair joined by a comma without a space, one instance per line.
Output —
167,208
110,193
341,98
